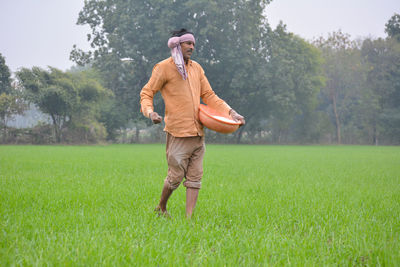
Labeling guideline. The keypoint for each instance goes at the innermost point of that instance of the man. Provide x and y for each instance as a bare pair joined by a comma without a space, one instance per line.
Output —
182,83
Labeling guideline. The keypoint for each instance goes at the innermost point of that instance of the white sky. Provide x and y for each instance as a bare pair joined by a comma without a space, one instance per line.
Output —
42,32
313,18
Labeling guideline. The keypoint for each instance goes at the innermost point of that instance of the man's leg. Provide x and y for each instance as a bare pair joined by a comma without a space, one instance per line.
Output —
176,171
191,199
194,175
165,194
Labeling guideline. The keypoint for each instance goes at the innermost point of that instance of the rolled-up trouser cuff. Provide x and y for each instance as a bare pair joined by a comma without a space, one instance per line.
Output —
191,184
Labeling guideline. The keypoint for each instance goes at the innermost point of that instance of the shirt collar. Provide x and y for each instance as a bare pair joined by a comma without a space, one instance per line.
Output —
189,63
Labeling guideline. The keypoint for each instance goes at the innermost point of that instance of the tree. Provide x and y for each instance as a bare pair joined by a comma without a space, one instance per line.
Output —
53,92
293,84
5,76
65,97
93,100
344,77
10,101
381,103
392,27
9,105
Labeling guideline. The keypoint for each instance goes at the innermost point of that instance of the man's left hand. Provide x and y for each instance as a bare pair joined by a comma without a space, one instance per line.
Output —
237,117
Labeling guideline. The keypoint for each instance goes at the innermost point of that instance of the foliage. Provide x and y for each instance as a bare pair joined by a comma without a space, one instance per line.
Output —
68,98
10,100
345,77
381,102
41,133
392,27
362,94
5,76
10,104
293,83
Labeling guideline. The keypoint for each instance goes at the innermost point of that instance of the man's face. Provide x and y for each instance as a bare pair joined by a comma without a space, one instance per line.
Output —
187,49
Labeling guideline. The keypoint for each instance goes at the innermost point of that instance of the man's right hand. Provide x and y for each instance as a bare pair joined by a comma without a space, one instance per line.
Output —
155,117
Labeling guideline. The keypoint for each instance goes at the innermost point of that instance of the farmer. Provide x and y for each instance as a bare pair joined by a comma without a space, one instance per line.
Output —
182,83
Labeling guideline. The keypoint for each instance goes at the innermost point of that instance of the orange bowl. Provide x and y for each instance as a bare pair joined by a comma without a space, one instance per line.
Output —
216,121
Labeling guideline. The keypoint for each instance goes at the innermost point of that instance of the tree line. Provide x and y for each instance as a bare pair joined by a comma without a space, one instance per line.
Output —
329,90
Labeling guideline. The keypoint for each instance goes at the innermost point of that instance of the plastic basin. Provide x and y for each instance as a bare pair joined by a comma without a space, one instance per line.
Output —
216,121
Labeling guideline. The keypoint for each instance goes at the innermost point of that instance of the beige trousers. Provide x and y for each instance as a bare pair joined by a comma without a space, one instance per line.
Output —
185,159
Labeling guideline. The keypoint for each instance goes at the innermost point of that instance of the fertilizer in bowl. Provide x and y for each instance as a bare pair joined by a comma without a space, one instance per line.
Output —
224,119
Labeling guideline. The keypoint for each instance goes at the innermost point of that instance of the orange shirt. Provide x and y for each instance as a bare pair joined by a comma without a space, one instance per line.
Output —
181,97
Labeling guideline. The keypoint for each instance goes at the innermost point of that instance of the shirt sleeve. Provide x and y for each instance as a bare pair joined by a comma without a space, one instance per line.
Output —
154,85
210,98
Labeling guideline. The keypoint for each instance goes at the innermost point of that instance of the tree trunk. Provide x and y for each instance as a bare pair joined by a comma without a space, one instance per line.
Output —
375,136
279,136
4,131
56,130
339,138
137,135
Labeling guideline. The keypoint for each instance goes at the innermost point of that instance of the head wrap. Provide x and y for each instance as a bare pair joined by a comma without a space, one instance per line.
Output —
176,51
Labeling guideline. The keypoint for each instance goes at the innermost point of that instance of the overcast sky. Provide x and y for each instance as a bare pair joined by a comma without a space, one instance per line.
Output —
42,32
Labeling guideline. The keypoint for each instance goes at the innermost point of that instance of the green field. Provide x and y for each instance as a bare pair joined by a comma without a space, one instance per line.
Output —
259,205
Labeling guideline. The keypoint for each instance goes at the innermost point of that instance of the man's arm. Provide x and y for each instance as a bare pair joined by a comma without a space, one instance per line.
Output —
210,98
155,84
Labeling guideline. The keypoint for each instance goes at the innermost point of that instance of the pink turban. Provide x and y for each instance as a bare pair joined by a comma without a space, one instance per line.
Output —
176,52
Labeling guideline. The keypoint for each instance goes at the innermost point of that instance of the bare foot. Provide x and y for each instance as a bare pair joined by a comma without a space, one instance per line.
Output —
160,212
